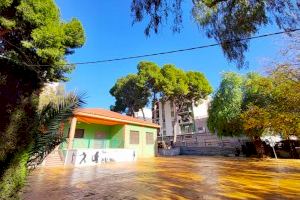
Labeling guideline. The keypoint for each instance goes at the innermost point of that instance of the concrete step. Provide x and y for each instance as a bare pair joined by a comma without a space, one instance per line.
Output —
53,159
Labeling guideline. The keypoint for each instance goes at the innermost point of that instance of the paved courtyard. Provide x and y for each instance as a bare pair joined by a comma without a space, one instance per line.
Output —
183,177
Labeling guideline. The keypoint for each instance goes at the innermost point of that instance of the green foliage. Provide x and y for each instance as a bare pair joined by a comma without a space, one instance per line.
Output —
29,139
16,135
168,83
150,76
175,83
130,96
223,20
33,34
34,43
226,107
38,13
256,90
74,35
5,3
7,23
255,104
275,105
199,87
14,178
49,127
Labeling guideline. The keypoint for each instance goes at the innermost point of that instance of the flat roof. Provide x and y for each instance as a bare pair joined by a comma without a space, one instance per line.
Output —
107,117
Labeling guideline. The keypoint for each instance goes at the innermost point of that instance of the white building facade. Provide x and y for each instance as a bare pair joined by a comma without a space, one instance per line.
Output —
192,129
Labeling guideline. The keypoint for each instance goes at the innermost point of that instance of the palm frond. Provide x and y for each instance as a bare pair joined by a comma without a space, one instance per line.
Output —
52,118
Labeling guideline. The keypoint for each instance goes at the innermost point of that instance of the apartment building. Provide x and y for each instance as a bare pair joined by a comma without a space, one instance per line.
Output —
144,114
192,129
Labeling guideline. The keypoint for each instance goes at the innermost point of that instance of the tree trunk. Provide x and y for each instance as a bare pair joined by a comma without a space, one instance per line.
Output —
293,151
153,106
178,107
259,147
143,114
131,112
175,127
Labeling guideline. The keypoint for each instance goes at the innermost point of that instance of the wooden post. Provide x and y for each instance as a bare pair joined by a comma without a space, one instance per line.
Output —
72,132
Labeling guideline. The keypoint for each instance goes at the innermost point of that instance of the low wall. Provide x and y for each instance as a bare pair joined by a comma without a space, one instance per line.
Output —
81,157
207,151
169,152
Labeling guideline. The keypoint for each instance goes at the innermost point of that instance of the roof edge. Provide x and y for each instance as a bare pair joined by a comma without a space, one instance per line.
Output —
148,124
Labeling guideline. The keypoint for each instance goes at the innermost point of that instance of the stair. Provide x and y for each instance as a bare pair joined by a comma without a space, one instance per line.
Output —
54,159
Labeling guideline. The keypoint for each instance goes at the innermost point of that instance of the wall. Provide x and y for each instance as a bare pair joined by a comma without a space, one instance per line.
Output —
206,140
115,135
201,111
83,157
147,112
142,149
207,151
117,139
168,119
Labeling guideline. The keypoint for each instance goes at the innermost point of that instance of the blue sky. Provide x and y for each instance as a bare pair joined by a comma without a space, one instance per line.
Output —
110,34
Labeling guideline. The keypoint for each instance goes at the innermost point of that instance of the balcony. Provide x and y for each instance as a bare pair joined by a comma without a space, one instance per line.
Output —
185,109
185,121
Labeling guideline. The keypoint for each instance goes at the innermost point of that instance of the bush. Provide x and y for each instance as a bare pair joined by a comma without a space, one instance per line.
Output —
14,177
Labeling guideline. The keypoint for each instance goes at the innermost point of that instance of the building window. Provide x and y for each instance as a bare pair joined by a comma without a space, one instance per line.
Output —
172,113
79,133
164,133
173,123
134,137
149,138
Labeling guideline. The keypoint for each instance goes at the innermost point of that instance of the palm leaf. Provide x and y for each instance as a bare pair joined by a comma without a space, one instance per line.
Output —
51,120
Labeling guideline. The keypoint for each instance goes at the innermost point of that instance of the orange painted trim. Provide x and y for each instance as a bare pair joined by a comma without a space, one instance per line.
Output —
116,120
90,120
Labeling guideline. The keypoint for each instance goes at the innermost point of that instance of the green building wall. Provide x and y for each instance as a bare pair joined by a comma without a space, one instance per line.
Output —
142,149
114,139
118,136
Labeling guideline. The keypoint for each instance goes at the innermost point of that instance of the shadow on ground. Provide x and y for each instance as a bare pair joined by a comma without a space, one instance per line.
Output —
183,177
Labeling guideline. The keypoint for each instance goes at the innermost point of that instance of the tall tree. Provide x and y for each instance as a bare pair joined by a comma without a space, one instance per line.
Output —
174,89
231,100
277,109
180,88
226,107
130,96
34,42
150,79
255,105
227,21
168,83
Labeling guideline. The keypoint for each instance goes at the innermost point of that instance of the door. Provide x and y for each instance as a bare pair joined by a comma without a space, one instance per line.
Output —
101,141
